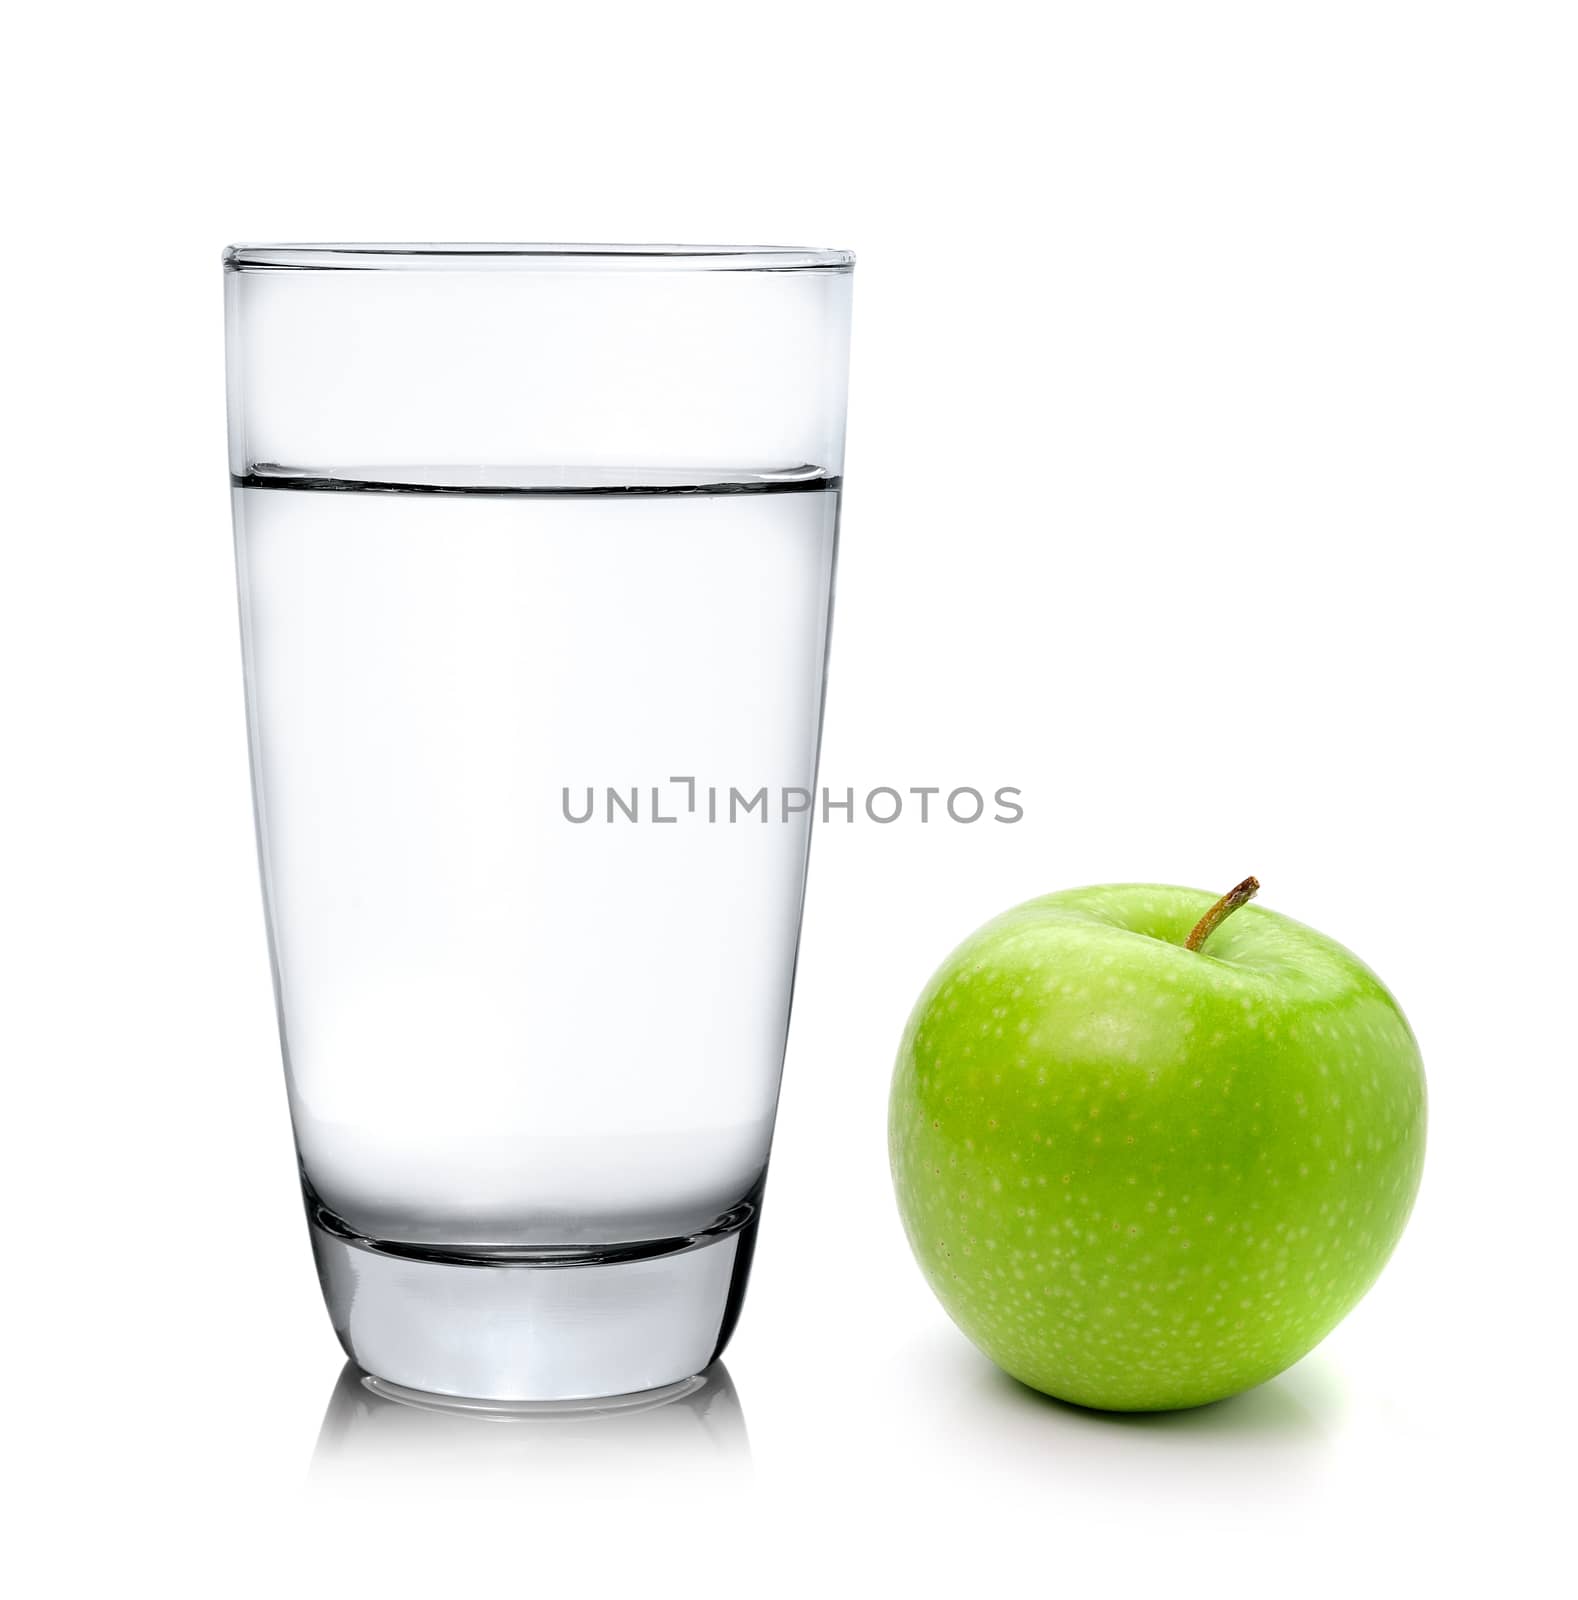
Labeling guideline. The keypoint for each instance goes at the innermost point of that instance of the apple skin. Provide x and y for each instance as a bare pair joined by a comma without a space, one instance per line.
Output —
1141,1177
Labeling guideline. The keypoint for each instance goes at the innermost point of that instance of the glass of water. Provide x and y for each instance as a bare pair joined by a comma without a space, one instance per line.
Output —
535,550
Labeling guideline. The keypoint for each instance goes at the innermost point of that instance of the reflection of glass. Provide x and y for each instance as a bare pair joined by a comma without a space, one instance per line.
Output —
535,549
374,1431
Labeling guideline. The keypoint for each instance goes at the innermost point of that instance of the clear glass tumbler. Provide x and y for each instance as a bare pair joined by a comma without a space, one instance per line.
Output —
535,550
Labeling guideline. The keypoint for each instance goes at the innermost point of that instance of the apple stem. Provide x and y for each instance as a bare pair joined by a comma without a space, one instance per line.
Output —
1240,895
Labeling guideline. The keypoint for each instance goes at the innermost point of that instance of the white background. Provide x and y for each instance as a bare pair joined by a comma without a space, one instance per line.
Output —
1210,478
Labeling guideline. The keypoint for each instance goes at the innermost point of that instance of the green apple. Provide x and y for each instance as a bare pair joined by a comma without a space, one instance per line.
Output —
1149,1150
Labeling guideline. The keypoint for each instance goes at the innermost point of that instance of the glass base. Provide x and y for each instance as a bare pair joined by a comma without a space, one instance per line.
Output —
579,1327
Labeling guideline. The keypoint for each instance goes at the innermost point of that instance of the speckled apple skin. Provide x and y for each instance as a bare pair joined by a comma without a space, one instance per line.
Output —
1140,1177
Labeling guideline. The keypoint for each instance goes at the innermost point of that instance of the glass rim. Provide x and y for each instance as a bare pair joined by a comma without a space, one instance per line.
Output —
534,258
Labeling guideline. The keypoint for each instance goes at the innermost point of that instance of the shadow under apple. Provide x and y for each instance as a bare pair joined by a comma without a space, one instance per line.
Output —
1273,1436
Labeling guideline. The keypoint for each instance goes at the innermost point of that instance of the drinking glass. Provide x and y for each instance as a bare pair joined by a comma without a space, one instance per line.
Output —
535,550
